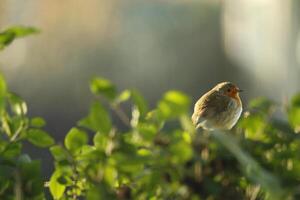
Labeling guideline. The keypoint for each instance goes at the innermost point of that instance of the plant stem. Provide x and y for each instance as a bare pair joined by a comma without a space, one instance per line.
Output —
18,186
118,110
18,132
121,114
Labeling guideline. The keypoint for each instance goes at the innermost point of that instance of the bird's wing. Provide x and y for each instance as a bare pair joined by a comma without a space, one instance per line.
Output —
209,106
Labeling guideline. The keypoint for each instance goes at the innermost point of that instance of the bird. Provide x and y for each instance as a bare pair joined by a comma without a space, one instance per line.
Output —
219,108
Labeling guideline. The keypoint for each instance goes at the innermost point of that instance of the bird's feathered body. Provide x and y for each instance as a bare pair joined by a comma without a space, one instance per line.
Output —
219,108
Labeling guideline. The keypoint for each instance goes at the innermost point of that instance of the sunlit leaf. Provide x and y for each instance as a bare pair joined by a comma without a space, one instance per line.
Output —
187,124
18,105
294,118
39,138
100,140
110,175
147,131
12,150
181,152
139,101
6,124
2,93
144,152
295,102
57,189
21,31
75,139
294,113
101,86
254,126
97,120
261,104
9,35
173,104
37,122
59,153
124,96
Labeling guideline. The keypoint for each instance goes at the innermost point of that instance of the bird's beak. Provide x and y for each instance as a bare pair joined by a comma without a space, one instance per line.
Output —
239,90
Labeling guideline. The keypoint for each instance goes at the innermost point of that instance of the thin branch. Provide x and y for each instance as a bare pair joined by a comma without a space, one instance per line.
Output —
18,186
118,110
18,132
121,114
14,138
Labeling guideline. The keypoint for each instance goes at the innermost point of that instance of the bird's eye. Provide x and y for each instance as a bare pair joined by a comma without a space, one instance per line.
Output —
228,90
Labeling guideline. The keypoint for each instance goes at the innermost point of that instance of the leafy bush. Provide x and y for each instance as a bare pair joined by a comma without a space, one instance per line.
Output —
158,155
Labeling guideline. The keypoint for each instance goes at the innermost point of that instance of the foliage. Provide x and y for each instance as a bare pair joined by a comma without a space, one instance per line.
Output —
161,156
20,176
9,35
158,155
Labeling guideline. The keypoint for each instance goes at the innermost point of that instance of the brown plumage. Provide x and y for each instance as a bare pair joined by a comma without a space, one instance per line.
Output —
219,108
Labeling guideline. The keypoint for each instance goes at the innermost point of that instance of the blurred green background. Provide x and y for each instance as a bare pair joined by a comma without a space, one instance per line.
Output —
152,46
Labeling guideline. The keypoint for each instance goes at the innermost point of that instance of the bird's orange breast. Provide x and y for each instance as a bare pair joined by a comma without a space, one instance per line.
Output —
236,97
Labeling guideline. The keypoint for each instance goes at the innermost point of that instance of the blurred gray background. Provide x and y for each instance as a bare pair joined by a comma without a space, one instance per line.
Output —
153,46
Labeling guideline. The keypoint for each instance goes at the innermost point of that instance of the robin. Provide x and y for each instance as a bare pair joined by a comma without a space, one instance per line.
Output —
219,108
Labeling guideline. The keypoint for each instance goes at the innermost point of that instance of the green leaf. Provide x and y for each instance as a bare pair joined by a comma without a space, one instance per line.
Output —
12,150
6,170
97,120
6,38
99,192
6,124
147,131
88,154
16,125
255,126
21,31
173,104
101,86
17,104
75,139
39,138
2,93
124,96
24,158
294,113
295,102
30,171
56,188
140,102
181,150
261,104
9,35
294,118
37,122
110,175
59,153
100,141
129,162
187,124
